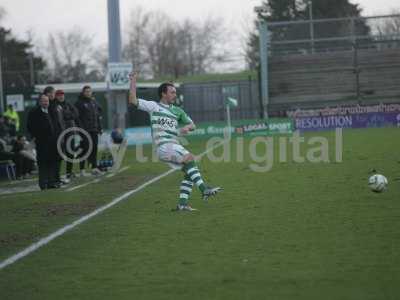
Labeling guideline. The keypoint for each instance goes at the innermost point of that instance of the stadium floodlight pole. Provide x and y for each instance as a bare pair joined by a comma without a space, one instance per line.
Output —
114,56
114,31
262,11
264,41
310,13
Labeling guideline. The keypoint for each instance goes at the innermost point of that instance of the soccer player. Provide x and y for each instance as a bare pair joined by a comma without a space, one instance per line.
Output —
165,119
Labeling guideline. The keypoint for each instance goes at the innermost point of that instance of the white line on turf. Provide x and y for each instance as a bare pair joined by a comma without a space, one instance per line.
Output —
82,185
96,180
119,171
35,246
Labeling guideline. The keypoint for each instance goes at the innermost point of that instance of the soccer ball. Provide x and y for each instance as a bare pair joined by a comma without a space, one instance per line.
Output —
377,183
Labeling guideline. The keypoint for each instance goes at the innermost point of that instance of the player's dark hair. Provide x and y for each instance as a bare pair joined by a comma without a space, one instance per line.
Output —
85,88
163,88
48,89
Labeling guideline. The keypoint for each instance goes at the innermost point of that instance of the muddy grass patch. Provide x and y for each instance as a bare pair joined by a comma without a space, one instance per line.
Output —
15,239
70,209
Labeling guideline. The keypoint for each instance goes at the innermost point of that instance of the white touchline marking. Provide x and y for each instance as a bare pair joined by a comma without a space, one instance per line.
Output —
122,169
96,180
82,185
119,171
32,248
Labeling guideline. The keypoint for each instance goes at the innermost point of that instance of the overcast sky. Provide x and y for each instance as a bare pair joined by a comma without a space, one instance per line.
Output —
45,16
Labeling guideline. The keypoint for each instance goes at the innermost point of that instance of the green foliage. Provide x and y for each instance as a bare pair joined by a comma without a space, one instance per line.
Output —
15,60
292,10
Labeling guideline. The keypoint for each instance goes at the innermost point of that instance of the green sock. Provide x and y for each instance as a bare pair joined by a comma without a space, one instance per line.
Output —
192,171
185,190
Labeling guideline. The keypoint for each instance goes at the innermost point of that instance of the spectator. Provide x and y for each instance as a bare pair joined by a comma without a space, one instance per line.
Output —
22,166
71,116
4,153
41,127
24,161
57,116
4,130
89,120
12,129
13,116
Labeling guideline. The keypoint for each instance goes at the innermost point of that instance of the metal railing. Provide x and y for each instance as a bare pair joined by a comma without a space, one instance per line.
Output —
329,59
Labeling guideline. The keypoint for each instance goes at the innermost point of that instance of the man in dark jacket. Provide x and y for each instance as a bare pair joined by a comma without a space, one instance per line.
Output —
71,119
41,127
89,120
57,116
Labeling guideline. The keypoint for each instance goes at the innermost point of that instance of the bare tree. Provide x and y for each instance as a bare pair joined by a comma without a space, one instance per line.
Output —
159,43
70,56
388,29
390,26
208,49
135,48
100,61
160,46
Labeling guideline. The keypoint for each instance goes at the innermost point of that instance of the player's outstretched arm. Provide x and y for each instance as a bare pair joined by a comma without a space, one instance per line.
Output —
132,89
186,129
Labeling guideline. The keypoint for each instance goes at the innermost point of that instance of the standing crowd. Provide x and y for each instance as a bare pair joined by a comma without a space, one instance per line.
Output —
52,125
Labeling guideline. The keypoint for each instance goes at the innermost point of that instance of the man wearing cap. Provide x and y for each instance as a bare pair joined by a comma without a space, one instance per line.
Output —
71,115
57,115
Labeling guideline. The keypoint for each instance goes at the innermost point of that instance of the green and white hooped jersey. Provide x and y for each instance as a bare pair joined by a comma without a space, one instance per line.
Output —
165,121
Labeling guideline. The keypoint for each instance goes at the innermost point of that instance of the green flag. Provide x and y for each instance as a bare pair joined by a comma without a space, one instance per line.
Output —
231,102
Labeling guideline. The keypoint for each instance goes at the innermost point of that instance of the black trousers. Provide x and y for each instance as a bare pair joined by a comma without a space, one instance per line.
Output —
47,173
69,151
92,159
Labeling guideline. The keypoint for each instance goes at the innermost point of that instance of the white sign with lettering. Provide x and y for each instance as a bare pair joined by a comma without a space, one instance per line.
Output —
118,75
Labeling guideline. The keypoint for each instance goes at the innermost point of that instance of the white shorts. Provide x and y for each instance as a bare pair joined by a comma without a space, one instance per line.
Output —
173,154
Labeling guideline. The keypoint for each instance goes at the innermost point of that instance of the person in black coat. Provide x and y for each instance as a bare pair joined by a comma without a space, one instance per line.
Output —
89,120
57,114
41,127
71,119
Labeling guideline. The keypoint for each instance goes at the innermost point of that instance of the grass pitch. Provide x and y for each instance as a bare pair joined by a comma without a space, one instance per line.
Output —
300,231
